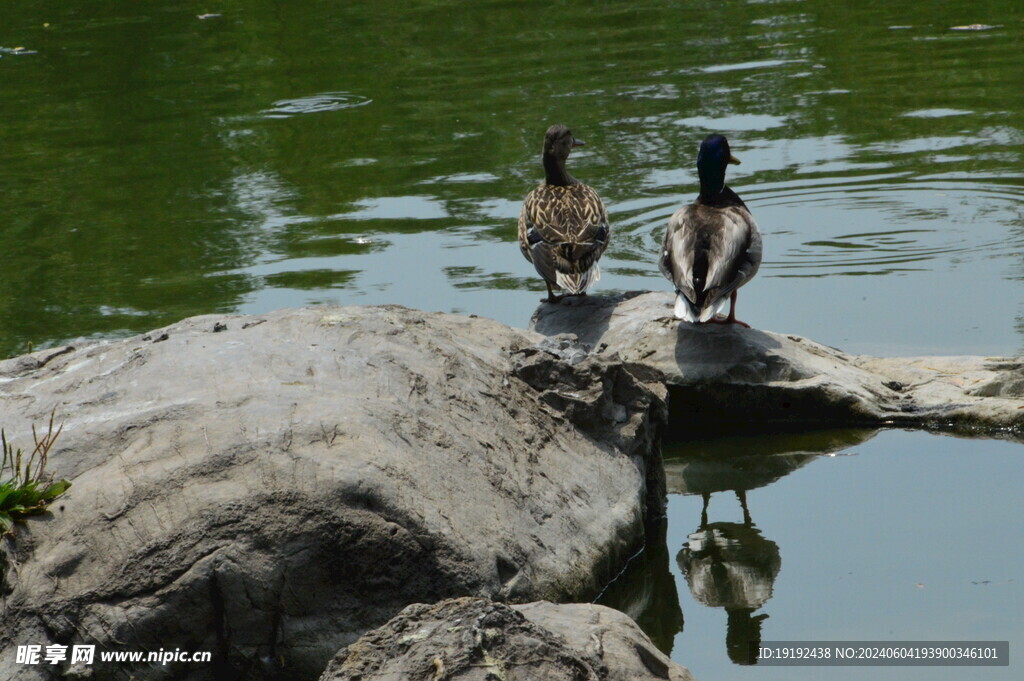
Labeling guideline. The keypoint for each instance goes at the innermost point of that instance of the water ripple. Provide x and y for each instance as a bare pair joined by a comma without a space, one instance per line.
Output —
327,101
883,223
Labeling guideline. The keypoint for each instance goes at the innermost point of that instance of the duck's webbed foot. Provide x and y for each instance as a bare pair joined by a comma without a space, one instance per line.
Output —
728,320
552,298
731,319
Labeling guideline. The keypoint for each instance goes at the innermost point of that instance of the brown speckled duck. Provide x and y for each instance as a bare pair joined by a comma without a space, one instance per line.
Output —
563,226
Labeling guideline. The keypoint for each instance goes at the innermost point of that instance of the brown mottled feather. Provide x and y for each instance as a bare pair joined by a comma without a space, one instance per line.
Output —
570,228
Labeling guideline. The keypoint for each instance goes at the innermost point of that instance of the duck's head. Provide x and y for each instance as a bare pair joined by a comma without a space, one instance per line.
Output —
712,159
558,142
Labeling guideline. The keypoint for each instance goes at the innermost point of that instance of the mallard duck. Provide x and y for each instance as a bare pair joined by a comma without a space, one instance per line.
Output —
712,246
563,227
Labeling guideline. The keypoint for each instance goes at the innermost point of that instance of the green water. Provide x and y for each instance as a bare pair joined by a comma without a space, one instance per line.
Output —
158,165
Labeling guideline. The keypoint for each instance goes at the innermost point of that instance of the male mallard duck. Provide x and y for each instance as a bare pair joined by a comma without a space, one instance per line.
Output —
712,246
563,227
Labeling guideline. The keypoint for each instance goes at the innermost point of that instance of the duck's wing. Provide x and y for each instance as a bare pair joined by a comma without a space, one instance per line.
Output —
735,253
526,226
588,235
586,215
679,250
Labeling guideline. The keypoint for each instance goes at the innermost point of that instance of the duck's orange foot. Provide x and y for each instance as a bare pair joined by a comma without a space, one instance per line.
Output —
728,320
731,319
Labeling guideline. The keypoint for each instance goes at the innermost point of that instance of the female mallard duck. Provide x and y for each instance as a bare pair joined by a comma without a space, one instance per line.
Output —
712,246
563,227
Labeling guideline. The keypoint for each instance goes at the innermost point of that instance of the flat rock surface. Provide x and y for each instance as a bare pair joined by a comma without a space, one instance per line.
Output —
269,488
718,373
472,639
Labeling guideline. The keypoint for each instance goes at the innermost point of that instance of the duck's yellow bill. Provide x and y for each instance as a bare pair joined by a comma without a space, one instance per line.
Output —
733,159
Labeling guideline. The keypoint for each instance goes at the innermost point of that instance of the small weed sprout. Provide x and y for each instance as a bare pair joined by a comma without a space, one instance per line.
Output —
25,486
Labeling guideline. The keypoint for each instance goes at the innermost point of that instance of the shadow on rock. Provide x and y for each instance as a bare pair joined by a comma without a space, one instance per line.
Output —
720,377
586,317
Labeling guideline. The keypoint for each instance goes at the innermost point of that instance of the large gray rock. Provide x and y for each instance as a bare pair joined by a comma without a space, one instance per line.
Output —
269,488
729,374
472,639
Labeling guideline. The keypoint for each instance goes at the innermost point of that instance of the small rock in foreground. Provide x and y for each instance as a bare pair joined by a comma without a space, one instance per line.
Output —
473,639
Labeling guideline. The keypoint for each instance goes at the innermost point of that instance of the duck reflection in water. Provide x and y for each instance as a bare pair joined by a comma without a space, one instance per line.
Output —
731,566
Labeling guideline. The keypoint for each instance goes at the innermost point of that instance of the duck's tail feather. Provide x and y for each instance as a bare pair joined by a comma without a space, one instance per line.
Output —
578,282
684,309
714,309
688,312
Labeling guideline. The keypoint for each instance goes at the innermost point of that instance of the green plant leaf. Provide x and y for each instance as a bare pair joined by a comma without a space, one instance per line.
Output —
54,490
30,488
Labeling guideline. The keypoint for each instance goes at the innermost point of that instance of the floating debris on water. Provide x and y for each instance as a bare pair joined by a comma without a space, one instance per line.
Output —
327,101
974,27
16,50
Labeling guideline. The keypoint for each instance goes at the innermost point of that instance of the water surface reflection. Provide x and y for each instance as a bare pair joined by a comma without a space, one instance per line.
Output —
731,566
854,547
169,164
726,565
